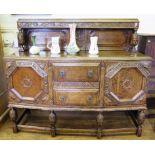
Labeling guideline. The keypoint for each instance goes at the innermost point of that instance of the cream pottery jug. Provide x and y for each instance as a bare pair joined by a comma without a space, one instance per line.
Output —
93,45
55,48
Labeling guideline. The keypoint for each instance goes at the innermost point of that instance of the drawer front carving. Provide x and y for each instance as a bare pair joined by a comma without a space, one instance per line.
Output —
76,72
28,82
76,97
125,83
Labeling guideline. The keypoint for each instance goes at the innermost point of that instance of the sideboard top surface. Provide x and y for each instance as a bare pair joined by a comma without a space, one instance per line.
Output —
82,20
103,55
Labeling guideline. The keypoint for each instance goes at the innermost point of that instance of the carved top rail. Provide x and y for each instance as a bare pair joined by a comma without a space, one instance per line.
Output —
81,23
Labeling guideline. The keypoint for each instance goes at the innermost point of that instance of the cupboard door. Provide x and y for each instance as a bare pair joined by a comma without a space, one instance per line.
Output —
125,83
27,82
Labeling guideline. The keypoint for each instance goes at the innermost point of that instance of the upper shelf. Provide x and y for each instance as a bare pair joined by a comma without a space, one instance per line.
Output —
113,34
81,23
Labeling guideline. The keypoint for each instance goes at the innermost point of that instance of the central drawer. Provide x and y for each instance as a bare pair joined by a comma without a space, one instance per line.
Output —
77,97
74,72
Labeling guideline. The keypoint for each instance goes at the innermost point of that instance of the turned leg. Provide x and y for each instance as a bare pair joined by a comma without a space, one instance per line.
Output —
140,121
99,125
52,118
13,117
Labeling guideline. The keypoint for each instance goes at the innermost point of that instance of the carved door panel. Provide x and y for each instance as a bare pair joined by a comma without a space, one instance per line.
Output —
27,82
125,83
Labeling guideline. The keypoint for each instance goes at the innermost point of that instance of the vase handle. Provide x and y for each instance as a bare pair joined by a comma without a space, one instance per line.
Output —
49,46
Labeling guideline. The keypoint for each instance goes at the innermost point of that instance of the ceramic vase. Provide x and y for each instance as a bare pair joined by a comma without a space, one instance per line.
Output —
93,46
34,49
72,47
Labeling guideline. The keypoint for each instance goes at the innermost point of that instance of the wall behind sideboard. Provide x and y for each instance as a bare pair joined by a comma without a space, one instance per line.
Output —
8,24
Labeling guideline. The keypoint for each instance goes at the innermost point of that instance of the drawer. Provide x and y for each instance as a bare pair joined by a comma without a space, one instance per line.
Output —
74,72
76,97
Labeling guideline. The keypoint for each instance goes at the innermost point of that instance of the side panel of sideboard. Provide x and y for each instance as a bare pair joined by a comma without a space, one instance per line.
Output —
147,46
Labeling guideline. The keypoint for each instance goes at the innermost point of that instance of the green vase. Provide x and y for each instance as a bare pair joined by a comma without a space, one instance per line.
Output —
34,49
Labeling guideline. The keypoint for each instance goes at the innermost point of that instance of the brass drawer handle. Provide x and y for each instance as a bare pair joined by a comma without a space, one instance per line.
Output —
90,73
62,74
89,98
62,99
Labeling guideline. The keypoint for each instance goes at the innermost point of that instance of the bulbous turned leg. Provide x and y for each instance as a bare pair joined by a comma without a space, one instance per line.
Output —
13,117
52,118
100,118
140,120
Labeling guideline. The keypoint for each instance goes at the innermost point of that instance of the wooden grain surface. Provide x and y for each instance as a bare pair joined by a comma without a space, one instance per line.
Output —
103,55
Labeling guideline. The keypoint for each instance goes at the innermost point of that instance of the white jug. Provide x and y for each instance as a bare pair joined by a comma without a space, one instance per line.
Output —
55,48
93,45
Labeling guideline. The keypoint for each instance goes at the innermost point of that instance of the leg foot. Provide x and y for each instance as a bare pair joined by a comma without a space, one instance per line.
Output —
52,118
13,117
99,124
140,120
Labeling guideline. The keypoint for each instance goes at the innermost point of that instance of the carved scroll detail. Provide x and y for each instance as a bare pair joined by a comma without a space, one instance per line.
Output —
127,83
26,82
76,84
57,24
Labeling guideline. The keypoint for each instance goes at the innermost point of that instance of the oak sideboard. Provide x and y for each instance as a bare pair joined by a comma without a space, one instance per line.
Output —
114,80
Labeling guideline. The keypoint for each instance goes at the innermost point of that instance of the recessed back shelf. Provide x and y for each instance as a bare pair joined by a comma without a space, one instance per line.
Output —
113,34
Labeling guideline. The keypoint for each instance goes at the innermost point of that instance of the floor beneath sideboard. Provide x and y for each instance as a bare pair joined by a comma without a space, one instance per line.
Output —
148,129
